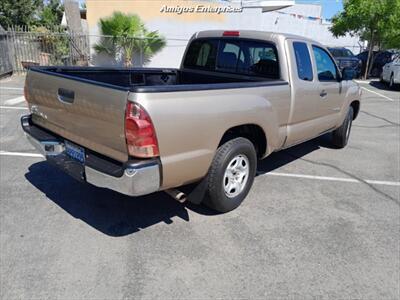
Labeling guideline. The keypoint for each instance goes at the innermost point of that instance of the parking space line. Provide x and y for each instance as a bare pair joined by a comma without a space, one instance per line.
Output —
292,175
379,94
13,107
15,100
10,88
6,153
339,179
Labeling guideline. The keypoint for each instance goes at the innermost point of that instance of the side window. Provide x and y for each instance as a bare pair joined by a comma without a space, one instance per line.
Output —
326,68
303,61
201,54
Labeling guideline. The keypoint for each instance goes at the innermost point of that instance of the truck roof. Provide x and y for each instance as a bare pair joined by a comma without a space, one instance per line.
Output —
252,34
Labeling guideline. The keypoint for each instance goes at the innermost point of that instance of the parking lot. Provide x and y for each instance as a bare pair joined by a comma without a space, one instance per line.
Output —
318,222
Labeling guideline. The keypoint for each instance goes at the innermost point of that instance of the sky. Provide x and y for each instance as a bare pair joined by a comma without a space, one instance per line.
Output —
329,7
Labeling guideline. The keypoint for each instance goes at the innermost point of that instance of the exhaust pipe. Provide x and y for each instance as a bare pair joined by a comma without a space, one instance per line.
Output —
177,195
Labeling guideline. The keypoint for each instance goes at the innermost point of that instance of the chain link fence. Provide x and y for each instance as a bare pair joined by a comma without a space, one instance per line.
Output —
26,48
45,49
61,48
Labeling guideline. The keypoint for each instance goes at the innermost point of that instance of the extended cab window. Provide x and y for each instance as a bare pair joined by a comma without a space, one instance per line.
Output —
201,54
303,61
326,68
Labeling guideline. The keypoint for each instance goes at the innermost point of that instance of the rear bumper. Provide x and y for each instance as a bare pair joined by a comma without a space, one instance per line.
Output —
133,178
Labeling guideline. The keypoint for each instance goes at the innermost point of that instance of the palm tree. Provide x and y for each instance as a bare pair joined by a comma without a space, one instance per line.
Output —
125,35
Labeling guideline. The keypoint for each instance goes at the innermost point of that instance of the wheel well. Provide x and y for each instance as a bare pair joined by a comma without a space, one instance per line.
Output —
356,108
252,132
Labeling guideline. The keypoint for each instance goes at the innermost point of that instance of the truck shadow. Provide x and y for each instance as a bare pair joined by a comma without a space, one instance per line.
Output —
111,213
284,157
382,86
115,214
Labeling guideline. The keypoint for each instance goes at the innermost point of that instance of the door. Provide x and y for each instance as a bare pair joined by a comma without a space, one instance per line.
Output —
396,70
386,72
305,113
329,89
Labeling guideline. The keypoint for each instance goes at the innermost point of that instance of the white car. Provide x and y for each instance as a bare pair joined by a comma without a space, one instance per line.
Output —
391,72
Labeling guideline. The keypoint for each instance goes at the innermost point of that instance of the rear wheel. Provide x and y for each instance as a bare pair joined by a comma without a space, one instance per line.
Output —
231,174
340,136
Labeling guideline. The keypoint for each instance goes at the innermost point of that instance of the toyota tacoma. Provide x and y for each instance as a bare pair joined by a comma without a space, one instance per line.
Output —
237,97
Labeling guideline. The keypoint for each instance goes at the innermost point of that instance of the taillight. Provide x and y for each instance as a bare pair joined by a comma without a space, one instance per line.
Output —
231,33
139,132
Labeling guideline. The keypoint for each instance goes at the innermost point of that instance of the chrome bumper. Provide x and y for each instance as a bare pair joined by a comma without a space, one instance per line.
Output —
138,178
134,181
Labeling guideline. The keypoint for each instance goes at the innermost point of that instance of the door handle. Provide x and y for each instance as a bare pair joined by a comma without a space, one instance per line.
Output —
323,94
66,96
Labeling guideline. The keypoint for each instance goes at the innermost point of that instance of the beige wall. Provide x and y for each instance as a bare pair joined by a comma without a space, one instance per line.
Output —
148,10
178,28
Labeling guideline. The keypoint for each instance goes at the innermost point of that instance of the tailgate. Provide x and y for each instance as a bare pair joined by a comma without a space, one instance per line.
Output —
91,115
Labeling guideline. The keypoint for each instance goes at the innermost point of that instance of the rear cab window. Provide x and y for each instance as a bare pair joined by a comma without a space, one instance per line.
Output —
241,57
230,56
201,54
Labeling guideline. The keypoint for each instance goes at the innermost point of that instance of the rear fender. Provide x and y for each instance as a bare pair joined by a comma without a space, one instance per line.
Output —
190,125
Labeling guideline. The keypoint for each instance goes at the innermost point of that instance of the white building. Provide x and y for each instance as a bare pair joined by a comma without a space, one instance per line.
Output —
177,20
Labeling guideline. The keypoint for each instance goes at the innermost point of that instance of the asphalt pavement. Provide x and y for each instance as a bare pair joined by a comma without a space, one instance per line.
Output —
318,223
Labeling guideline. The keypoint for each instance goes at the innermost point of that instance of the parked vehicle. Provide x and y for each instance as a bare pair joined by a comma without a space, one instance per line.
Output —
237,98
391,73
380,58
346,59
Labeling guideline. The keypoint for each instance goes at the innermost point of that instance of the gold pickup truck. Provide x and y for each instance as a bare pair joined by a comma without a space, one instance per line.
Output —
237,97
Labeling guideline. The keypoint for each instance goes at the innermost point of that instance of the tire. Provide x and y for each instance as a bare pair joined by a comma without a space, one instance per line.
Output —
375,72
391,82
228,180
340,136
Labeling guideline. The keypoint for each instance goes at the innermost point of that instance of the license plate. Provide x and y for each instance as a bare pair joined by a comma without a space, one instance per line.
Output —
74,151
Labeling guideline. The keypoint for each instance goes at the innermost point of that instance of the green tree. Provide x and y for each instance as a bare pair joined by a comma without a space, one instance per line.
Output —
51,14
126,35
373,20
19,12
391,29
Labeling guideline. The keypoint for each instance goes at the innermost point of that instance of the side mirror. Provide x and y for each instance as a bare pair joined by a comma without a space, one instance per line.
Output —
348,73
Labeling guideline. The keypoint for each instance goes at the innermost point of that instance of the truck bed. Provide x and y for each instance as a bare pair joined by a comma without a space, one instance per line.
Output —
154,79
86,105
